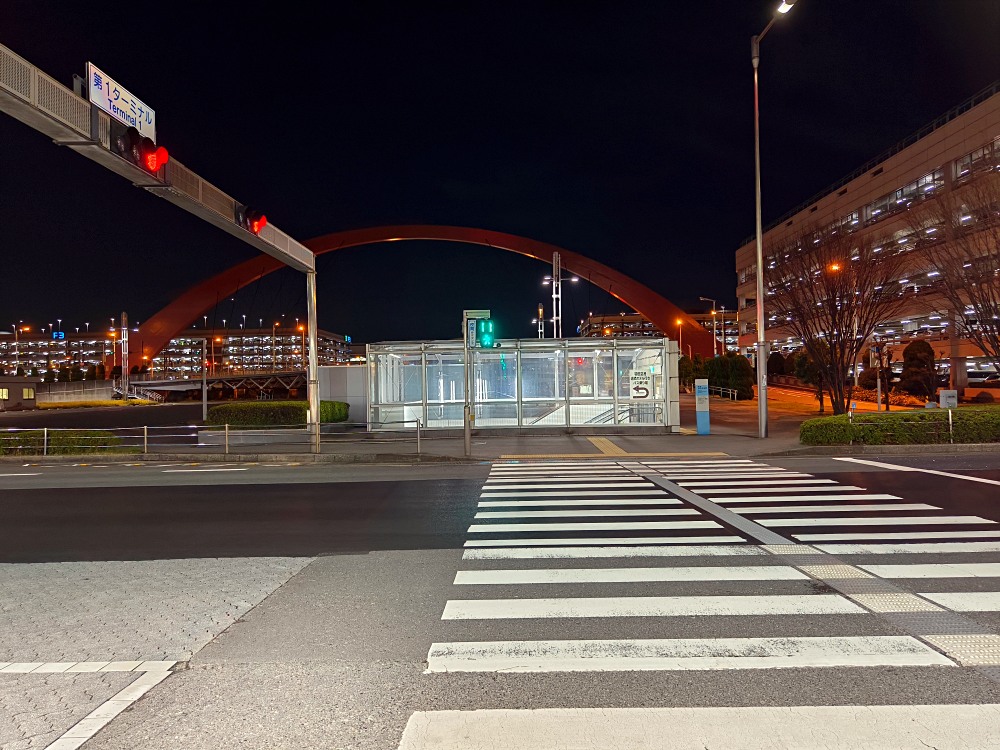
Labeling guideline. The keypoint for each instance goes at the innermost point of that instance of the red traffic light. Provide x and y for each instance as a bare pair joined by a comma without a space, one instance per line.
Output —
140,150
250,219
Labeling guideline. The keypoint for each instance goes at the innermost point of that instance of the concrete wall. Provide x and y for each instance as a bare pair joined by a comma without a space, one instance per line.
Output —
82,390
347,383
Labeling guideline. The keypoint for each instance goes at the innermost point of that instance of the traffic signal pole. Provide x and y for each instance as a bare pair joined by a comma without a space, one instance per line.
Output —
312,373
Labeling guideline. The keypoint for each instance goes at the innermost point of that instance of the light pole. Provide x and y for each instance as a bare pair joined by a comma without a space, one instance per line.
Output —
785,6
715,340
680,336
722,322
274,351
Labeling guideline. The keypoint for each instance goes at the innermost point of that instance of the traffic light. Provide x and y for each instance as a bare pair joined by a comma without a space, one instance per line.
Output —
132,146
250,218
484,333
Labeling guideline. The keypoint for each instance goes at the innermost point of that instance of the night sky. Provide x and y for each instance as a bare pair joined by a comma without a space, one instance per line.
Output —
622,131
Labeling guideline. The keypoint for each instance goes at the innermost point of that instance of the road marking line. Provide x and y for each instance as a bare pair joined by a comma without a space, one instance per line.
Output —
832,508
577,493
753,482
598,526
953,570
968,601
561,485
874,535
903,549
878,521
735,728
86,666
620,540
23,474
648,606
682,654
583,513
611,501
897,467
737,490
537,456
197,471
627,575
800,498
557,553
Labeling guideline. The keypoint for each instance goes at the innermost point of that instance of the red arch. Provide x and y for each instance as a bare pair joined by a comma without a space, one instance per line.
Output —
176,317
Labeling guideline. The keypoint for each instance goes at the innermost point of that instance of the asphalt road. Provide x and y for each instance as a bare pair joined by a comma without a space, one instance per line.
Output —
384,607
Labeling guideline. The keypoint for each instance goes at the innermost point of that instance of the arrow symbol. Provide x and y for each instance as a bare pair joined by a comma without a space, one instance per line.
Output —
640,392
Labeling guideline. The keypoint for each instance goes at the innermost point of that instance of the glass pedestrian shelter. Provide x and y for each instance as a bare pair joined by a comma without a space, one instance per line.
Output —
526,384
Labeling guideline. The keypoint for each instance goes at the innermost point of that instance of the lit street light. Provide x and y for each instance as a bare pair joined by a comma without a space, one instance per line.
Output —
761,340
680,336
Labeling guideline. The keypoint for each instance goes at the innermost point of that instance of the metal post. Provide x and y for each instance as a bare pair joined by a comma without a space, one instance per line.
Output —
125,372
145,439
556,296
467,415
418,437
541,321
45,441
312,374
761,341
951,429
227,438
204,383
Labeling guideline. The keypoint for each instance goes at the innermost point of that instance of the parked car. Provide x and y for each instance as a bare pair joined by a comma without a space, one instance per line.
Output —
981,377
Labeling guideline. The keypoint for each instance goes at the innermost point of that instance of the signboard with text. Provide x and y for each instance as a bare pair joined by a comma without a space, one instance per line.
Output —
119,102
640,384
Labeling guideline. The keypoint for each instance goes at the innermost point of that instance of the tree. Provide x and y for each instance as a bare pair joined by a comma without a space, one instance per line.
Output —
50,376
830,288
959,233
919,377
101,371
805,370
34,372
91,373
75,373
775,364
19,371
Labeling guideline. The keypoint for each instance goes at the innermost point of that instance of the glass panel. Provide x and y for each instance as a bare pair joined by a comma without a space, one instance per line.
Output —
543,375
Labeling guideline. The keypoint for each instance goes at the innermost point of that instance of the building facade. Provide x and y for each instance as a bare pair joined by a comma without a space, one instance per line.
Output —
227,351
879,199
630,325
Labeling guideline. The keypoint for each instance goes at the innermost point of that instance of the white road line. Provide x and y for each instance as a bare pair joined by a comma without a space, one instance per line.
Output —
197,471
603,541
832,508
876,536
942,570
754,482
731,474
903,549
877,521
800,498
969,601
23,474
586,513
564,553
682,654
951,727
494,528
627,575
738,490
576,493
556,503
648,606
709,462
896,467
582,486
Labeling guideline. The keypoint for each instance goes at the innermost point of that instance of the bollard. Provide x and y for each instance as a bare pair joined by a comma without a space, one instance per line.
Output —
145,439
227,439
418,437
951,432
45,441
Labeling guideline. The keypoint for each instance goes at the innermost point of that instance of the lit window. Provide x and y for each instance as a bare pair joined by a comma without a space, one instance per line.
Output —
27,393
4,394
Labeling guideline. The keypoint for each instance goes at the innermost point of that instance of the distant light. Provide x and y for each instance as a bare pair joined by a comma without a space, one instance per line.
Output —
786,6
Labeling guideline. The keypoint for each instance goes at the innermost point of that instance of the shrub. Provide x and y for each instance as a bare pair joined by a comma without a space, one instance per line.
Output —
273,413
904,428
60,442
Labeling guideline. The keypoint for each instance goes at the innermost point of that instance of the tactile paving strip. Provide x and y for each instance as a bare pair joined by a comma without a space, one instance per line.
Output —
833,572
895,603
969,650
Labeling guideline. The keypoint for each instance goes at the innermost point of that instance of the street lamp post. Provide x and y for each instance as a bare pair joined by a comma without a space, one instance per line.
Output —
785,6
680,336
715,339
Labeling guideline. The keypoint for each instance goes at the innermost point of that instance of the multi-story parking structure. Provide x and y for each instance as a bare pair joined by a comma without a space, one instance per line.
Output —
629,325
879,201
227,351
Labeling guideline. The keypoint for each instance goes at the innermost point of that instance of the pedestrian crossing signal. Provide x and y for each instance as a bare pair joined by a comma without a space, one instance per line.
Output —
485,338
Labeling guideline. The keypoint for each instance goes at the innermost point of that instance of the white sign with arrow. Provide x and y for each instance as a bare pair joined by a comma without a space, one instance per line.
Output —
640,384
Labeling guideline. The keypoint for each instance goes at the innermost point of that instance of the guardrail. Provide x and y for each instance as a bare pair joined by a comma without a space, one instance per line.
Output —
225,439
729,393
936,428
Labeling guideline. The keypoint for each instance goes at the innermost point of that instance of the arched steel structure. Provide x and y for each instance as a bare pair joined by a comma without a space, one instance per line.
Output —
176,317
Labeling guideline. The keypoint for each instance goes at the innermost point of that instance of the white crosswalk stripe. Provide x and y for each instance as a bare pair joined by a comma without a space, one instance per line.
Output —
540,579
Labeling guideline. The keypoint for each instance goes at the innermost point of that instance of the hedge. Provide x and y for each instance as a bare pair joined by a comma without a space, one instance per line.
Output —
273,413
73,442
927,426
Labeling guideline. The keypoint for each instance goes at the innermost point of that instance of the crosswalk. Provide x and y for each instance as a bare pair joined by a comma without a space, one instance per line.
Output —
570,567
